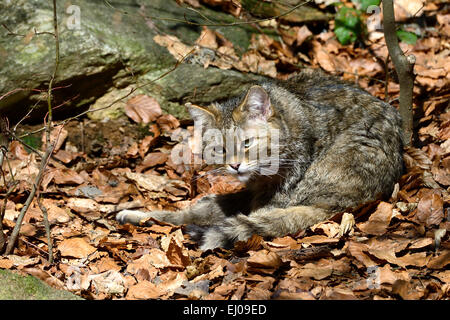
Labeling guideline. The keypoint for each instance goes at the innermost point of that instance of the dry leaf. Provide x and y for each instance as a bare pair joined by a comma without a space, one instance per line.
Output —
311,270
405,290
264,261
440,261
76,248
329,228
6,263
379,220
18,150
22,261
359,251
110,282
148,182
430,209
318,239
339,294
82,205
57,137
66,176
207,39
45,276
154,158
385,275
168,123
66,156
176,253
176,48
143,109
144,290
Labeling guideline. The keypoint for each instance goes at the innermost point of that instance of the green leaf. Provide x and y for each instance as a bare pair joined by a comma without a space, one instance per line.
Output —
367,3
348,17
407,37
344,35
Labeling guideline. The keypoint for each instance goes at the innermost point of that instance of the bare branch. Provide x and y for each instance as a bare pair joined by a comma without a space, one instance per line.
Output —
45,157
404,66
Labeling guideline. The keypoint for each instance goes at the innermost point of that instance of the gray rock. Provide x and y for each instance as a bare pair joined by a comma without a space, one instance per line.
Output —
112,50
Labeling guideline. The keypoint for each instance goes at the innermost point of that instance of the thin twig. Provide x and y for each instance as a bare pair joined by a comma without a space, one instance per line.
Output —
12,239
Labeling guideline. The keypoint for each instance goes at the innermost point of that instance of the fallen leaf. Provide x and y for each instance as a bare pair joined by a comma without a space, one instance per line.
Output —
156,258
385,275
339,294
148,182
75,248
147,142
303,33
110,282
6,263
430,209
318,239
143,268
311,270
105,264
22,261
18,150
176,253
168,122
379,220
329,228
440,261
264,261
207,39
66,156
143,109
154,158
45,276
57,137
57,215
405,9
176,48
405,290
67,176
386,249
359,251
82,205
144,290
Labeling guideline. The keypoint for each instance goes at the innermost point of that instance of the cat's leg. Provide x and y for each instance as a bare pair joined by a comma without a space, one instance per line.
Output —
266,222
207,211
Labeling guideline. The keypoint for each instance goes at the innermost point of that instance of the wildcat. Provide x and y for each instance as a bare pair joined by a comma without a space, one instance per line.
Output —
338,147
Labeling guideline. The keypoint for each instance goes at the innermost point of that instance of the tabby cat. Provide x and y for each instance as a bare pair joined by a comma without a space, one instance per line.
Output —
337,147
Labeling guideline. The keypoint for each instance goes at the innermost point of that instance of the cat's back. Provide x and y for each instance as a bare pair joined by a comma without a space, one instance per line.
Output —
338,101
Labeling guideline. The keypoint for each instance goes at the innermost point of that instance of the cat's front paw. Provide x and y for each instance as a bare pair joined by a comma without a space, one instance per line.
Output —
132,216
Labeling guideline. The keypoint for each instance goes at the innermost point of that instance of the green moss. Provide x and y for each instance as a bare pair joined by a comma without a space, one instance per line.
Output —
16,287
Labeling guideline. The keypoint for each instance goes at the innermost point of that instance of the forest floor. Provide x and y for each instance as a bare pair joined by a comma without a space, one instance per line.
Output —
398,248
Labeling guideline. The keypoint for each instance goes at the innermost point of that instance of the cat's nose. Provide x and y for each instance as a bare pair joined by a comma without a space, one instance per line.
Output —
235,166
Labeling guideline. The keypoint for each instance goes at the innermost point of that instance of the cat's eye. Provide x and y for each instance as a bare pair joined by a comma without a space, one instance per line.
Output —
248,142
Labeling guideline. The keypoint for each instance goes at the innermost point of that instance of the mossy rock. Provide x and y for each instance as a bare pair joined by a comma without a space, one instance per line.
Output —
113,48
17,287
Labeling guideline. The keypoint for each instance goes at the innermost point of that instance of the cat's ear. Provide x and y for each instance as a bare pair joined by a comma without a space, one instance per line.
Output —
200,115
256,105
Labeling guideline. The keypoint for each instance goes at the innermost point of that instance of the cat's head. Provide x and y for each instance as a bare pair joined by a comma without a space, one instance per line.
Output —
240,135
